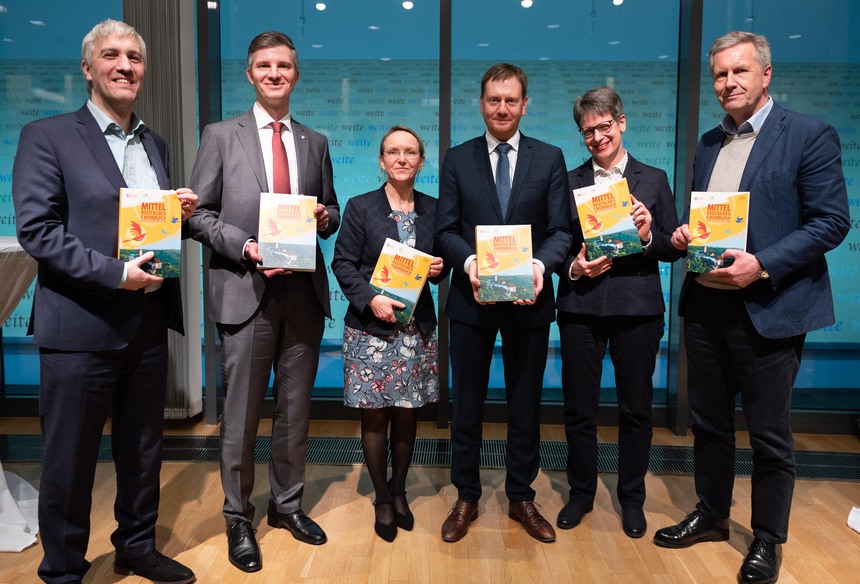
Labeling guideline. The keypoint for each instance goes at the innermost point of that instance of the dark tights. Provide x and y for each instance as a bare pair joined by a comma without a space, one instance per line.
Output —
374,441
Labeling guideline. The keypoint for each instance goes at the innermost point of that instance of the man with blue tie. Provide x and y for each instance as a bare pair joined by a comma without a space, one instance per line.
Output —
100,323
500,178
745,324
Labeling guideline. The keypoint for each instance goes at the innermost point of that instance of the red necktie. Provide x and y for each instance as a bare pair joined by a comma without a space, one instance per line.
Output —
280,165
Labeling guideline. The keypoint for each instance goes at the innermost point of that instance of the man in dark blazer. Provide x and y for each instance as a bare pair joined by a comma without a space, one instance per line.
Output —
100,323
615,303
745,324
537,196
266,318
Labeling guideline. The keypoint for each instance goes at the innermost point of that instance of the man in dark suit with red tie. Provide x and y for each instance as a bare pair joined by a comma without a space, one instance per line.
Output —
266,318
500,178
100,323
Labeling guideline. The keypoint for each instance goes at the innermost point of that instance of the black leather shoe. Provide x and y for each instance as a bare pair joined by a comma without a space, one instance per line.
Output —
633,522
405,520
387,531
571,514
761,566
154,566
300,525
695,528
242,548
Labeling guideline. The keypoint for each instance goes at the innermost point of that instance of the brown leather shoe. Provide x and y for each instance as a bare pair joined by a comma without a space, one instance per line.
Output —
460,516
536,526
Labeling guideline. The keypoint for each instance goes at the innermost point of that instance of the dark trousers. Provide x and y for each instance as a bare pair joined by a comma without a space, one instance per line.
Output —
77,392
726,356
633,345
524,352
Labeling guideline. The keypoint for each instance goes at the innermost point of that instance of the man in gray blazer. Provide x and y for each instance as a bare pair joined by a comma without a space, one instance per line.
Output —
266,318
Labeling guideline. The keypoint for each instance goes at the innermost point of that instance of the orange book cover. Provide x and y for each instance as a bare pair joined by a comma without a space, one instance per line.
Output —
151,220
287,236
718,221
604,215
504,256
400,273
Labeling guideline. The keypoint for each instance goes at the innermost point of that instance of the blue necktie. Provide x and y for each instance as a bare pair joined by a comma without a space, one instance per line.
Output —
503,177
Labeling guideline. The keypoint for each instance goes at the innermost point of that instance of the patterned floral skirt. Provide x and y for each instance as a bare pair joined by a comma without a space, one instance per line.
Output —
399,370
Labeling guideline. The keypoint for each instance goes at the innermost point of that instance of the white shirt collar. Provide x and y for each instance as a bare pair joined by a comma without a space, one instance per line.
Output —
263,119
492,142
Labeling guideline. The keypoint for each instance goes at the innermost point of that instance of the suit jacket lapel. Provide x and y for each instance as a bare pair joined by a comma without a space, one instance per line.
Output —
705,166
764,142
300,137
524,160
584,175
381,212
485,170
632,173
249,138
155,159
423,225
95,140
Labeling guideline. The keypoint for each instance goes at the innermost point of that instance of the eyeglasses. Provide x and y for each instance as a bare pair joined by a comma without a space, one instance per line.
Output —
603,127
395,154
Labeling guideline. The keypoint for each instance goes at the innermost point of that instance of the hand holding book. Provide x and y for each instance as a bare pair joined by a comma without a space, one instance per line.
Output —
383,307
188,199
743,270
137,275
641,219
581,266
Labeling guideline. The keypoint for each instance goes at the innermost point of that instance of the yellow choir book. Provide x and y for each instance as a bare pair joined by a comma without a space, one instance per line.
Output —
151,220
400,273
718,221
604,215
287,236
504,258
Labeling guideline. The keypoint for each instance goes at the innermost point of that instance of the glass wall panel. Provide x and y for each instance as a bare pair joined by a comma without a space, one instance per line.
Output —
816,71
364,66
40,76
567,48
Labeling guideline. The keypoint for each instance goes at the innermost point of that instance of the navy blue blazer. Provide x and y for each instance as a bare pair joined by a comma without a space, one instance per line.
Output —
631,287
65,187
363,231
798,211
467,198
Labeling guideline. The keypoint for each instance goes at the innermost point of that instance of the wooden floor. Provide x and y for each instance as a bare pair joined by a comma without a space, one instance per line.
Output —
821,548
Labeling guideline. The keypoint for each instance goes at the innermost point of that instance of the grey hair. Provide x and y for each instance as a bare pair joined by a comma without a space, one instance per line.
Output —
728,40
106,28
600,100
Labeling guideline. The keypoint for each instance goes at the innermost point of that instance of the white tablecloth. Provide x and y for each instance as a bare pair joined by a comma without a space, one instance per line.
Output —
17,270
18,499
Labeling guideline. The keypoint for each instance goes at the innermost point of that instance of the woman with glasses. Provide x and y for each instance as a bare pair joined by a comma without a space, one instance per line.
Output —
390,369
614,302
